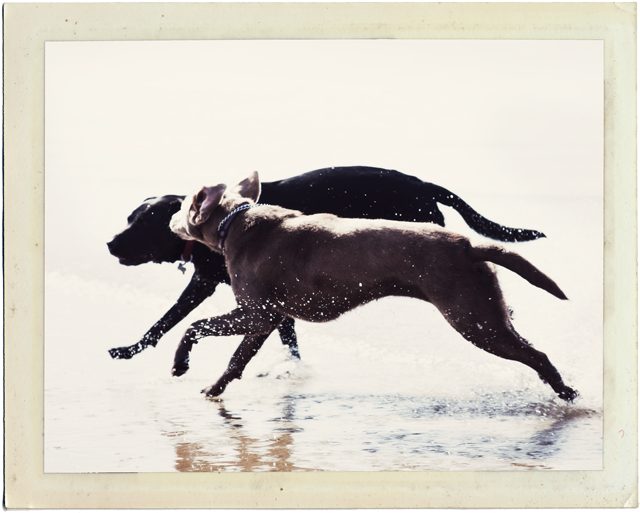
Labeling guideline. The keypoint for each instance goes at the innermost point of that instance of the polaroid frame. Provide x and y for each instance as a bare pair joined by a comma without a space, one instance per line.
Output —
28,26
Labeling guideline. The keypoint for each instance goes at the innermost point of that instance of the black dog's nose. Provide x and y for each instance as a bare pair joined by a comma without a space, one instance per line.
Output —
113,246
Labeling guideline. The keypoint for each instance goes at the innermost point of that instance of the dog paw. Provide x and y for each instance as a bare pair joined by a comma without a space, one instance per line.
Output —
568,394
294,354
128,352
121,353
180,368
213,390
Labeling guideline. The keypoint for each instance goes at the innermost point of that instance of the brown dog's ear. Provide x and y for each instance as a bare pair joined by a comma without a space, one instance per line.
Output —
204,202
249,187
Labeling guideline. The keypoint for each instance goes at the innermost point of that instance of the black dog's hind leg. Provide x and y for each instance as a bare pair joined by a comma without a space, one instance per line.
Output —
288,336
193,295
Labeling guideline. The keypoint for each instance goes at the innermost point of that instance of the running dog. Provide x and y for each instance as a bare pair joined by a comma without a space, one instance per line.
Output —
354,192
282,264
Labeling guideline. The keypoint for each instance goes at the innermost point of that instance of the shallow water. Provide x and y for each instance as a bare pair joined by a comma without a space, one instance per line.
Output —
389,386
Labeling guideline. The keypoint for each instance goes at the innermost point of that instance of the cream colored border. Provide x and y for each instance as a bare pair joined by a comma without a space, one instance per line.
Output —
28,26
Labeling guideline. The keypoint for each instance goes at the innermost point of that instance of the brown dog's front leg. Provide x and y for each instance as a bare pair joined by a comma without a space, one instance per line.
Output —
246,350
181,358
240,321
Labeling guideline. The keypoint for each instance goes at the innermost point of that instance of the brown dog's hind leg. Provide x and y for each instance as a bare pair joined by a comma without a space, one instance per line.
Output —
511,346
503,341
475,307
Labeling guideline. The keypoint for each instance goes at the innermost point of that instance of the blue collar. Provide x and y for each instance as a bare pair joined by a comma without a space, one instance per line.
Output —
223,227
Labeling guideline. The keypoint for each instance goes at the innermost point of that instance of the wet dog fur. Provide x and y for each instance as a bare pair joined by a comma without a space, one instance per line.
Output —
352,191
285,264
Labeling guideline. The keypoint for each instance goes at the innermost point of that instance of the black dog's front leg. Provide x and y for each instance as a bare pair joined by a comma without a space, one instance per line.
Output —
194,294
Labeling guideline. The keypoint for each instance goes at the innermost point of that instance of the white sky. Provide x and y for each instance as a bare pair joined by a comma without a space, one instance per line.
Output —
486,117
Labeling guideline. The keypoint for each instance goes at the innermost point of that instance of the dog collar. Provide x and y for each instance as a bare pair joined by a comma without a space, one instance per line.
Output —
186,255
223,227
188,249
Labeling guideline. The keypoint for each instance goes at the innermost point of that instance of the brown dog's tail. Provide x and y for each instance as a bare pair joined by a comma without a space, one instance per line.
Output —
518,265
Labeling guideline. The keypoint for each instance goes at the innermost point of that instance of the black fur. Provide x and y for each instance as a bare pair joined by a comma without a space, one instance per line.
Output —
355,192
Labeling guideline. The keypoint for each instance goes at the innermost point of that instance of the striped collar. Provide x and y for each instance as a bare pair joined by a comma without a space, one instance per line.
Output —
223,227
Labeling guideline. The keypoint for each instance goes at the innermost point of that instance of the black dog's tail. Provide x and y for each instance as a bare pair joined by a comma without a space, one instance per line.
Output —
479,223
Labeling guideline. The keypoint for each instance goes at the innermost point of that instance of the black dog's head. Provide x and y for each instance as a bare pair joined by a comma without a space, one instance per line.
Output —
147,237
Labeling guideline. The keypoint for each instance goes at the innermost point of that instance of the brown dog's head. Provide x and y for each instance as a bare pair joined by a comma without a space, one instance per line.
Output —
212,203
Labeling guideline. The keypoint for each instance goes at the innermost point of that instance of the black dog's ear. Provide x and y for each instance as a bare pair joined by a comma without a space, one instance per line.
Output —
175,204
204,202
249,187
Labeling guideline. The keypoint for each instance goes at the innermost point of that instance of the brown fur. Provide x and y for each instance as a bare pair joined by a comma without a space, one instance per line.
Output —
315,268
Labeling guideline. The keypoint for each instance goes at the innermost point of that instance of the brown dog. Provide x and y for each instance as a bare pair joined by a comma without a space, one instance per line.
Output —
315,268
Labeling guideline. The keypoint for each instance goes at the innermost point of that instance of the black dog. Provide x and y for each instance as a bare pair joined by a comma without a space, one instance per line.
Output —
352,192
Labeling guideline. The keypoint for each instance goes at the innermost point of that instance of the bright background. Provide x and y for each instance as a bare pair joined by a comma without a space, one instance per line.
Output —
499,118
513,127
